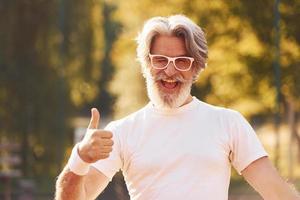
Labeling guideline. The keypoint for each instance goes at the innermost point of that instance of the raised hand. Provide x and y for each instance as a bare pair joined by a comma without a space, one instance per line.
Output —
96,143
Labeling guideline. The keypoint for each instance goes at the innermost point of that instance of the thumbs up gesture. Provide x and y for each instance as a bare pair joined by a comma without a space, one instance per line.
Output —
96,144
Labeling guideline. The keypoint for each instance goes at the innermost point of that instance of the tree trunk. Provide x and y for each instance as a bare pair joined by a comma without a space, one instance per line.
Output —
294,137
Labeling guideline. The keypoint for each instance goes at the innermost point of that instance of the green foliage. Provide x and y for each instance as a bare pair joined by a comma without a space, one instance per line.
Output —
51,55
29,84
262,26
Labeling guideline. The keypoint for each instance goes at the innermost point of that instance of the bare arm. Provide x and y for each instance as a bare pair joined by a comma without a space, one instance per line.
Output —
265,179
72,186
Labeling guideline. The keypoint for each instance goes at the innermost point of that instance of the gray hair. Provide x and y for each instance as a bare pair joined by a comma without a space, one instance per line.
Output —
177,25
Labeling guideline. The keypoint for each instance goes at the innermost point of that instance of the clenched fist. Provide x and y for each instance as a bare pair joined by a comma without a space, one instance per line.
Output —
96,144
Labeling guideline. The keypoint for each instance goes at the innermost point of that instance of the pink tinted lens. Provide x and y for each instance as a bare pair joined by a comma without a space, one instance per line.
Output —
159,61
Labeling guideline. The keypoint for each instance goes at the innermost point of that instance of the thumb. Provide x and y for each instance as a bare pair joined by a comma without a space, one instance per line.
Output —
95,119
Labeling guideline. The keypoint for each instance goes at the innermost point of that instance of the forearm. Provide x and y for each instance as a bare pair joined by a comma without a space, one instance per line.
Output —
69,186
265,179
280,193
279,189
283,190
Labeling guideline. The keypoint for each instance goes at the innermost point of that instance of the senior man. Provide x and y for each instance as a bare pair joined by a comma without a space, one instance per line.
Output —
176,147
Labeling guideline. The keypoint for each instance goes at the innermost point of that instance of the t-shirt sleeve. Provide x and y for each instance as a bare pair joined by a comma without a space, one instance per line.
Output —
113,163
244,144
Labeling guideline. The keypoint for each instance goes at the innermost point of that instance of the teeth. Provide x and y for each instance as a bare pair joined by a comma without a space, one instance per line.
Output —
170,81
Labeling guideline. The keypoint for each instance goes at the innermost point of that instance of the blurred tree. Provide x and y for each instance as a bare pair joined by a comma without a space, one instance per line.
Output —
111,28
28,89
84,43
51,55
262,27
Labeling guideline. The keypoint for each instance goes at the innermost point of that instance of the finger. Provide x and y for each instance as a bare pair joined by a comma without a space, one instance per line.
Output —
106,149
95,119
104,155
107,142
106,134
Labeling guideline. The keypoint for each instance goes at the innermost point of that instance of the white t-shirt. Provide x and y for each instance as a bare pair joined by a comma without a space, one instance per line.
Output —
183,153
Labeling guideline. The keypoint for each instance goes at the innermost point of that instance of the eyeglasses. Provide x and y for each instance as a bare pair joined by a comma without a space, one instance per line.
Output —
181,63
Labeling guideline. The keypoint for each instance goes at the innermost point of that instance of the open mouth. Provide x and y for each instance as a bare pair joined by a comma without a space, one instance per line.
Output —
169,84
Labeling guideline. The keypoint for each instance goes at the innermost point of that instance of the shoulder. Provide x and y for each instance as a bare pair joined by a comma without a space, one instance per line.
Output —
227,118
218,111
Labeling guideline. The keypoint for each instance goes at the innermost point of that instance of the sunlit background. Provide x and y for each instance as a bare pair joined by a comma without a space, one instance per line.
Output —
60,58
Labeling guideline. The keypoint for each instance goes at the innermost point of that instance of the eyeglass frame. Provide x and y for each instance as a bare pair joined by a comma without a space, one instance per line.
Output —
171,59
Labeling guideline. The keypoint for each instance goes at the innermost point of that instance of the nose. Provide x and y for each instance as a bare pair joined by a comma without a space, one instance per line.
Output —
170,70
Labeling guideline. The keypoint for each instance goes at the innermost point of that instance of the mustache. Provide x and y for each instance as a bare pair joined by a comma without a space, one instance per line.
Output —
163,76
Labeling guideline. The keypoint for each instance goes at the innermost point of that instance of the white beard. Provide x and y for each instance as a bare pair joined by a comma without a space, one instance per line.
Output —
166,100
